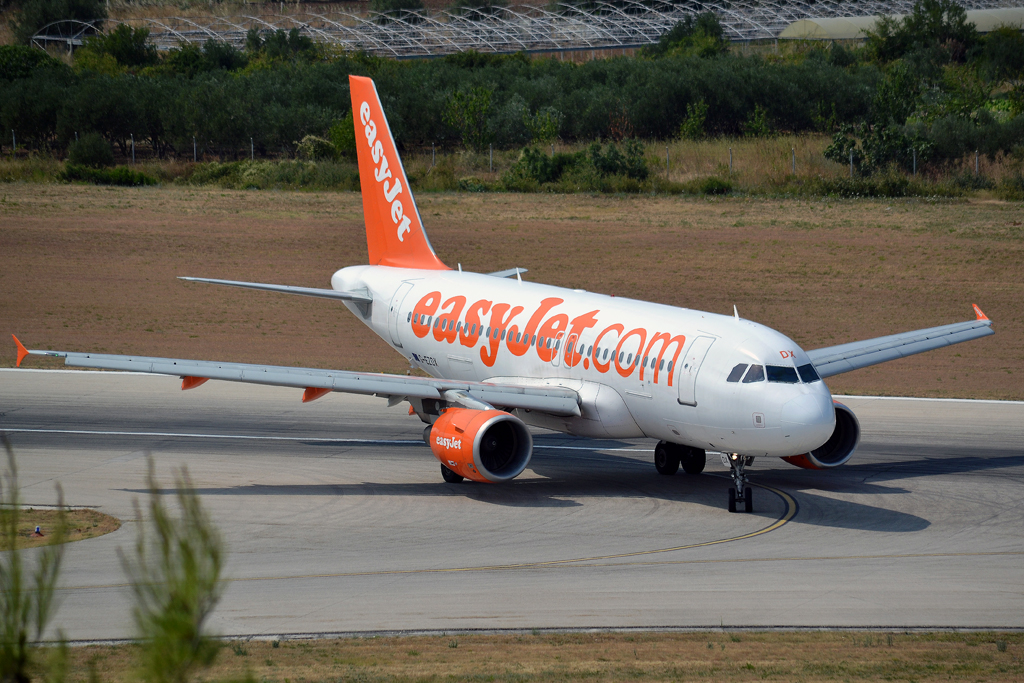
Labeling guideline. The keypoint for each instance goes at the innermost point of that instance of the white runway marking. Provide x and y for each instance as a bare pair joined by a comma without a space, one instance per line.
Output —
186,435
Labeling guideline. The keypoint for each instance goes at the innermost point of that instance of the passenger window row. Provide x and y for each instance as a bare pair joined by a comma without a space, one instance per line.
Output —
549,342
781,374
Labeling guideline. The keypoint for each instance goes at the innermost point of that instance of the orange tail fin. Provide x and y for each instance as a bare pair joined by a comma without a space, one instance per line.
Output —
394,231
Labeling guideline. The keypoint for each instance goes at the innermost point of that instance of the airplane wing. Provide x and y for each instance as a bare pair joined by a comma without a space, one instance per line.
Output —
316,383
358,297
834,360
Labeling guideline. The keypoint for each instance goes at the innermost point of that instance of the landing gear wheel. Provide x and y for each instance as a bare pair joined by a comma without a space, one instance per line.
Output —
737,470
666,458
693,460
450,476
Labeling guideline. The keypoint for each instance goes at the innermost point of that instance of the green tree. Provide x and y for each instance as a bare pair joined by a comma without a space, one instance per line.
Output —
693,124
1003,53
699,35
91,150
342,135
176,583
938,27
35,14
467,112
280,44
26,606
19,61
128,46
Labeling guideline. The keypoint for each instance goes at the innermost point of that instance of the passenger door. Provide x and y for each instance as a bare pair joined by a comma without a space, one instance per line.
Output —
395,312
689,366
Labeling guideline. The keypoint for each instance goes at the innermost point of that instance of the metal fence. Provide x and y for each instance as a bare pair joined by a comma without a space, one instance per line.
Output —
557,28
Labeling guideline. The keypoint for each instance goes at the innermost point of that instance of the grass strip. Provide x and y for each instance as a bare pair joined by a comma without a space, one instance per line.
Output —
558,656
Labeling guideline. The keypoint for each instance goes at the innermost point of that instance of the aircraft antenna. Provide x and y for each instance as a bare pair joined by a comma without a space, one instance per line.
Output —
735,313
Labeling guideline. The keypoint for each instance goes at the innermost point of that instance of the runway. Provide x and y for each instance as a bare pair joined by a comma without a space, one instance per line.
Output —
337,520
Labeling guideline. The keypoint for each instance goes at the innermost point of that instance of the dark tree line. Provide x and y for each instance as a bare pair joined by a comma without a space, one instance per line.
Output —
224,98
924,87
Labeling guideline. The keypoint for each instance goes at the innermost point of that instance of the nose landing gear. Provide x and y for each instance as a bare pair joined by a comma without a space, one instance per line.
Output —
737,470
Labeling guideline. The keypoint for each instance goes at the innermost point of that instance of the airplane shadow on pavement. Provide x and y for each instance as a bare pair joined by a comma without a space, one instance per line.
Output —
568,478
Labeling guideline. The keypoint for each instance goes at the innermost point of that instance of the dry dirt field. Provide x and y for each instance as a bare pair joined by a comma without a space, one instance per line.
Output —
93,269
602,657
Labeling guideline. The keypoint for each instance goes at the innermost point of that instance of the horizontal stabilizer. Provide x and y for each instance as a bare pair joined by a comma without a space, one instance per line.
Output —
511,272
286,289
834,360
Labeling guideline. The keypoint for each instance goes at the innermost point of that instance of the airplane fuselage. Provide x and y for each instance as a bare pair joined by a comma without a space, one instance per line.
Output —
640,368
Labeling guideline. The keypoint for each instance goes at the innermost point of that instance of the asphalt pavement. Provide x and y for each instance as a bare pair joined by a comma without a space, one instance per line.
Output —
336,518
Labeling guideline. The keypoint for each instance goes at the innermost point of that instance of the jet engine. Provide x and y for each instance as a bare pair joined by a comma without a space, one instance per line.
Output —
839,447
481,445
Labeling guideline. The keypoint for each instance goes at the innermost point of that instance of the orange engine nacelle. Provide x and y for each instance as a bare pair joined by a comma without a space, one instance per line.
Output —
481,445
838,449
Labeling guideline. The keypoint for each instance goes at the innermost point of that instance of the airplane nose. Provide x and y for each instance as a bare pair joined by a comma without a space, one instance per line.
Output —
806,410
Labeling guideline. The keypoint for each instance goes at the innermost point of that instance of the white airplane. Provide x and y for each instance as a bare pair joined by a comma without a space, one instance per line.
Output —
503,354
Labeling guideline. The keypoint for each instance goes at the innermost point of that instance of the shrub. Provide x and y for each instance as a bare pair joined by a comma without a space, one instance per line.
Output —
122,175
888,184
471,184
292,175
313,148
712,185
91,150
26,606
693,125
632,164
1012,187
597,169
342,135
176,581
534,167
757,124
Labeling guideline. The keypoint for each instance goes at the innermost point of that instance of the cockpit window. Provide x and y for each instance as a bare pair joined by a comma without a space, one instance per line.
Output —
785,374
736,373
754,374
808,373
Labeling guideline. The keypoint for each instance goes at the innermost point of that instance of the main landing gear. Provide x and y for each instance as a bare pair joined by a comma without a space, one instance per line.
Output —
450,476
741,493
669,456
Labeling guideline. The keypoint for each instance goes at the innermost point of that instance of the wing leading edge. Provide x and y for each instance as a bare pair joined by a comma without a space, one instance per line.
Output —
834,360
358,297
553,400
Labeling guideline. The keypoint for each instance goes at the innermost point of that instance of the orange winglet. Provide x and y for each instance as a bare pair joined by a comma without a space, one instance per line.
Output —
313,393
22,351
188,382
977,311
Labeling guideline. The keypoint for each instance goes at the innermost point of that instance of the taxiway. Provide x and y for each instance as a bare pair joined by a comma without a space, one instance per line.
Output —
337,520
